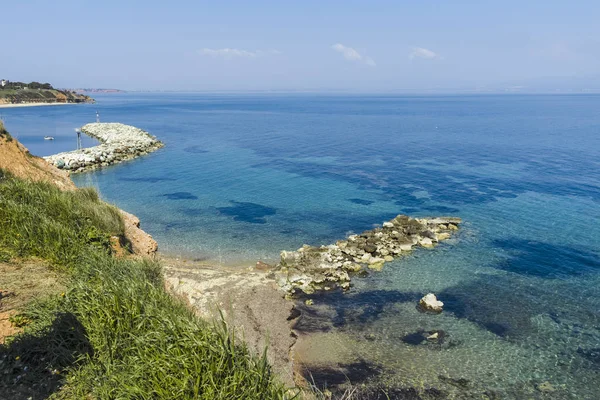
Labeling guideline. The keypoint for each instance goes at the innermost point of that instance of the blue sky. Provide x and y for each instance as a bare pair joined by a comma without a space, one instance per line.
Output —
415,46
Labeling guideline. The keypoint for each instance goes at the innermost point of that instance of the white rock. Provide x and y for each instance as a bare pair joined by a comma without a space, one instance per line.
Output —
442,236
375,260
425,242
430,303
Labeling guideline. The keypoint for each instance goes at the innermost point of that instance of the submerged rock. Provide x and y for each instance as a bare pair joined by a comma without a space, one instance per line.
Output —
327,267
546,387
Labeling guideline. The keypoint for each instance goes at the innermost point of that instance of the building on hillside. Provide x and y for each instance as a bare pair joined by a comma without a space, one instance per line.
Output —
3,82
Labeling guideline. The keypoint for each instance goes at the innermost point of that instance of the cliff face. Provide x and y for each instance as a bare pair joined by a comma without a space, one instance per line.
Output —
17,160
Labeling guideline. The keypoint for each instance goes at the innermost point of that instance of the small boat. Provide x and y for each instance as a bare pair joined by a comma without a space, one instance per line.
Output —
48,138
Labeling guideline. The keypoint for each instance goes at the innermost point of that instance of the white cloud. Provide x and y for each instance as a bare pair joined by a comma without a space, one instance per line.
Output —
352,55
420,52
235,53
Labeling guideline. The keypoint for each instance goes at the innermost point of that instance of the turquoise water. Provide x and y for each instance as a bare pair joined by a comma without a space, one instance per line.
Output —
245,176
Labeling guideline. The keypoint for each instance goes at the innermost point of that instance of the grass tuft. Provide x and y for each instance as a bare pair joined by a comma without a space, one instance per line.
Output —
4,132
40,220
115,333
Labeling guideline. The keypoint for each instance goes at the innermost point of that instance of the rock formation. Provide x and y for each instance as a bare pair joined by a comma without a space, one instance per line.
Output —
430,303
119,143
326,267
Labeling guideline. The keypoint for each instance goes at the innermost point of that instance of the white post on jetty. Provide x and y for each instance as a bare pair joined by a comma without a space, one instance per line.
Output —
97,116
78,138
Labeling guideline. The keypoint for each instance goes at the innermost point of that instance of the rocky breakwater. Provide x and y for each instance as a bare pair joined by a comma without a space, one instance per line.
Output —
324,268
119,143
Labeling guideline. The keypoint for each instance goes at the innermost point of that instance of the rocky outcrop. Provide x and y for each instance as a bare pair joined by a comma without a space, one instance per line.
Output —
142,244
119,143
323,268
430,303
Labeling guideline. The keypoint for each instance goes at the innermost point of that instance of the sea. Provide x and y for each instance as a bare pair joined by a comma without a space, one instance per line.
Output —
244,176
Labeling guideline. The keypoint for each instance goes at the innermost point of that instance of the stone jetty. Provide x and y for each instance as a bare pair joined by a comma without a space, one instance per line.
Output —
324,268
118,143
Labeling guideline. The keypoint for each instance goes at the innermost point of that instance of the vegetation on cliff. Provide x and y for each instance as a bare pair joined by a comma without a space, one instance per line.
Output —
114,332
35,92
4,133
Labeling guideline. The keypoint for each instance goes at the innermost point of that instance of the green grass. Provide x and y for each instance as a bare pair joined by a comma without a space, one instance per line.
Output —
38,219
115,333
4,132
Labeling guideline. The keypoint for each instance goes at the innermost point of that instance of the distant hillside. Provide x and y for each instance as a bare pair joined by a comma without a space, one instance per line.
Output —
35,92
98,90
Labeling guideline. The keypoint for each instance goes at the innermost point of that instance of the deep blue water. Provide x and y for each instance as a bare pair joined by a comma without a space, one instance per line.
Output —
245,176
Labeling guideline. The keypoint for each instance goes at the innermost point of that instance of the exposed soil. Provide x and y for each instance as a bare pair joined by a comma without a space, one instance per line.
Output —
15,158
21,283
250,303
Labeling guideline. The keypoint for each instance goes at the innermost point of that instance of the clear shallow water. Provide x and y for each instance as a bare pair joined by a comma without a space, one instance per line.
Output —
245,176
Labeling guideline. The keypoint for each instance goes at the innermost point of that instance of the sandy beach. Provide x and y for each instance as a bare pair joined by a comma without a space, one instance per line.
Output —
10,105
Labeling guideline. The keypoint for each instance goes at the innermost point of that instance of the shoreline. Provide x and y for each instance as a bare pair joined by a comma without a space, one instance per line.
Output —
246,299
19,105
265,303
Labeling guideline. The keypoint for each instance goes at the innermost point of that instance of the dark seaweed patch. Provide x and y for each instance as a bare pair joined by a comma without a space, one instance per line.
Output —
355,373
497,328
496,304
149,179
546,260
247,212
361,202
180,196
195,150
592,355
415,338
361,308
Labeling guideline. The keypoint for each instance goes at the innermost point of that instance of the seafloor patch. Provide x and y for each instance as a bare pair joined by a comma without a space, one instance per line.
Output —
148,179
546,260
361,202
247,212
195,150
180,196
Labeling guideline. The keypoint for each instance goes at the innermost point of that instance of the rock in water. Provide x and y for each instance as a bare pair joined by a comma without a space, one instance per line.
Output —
118,143
430,303
325,267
